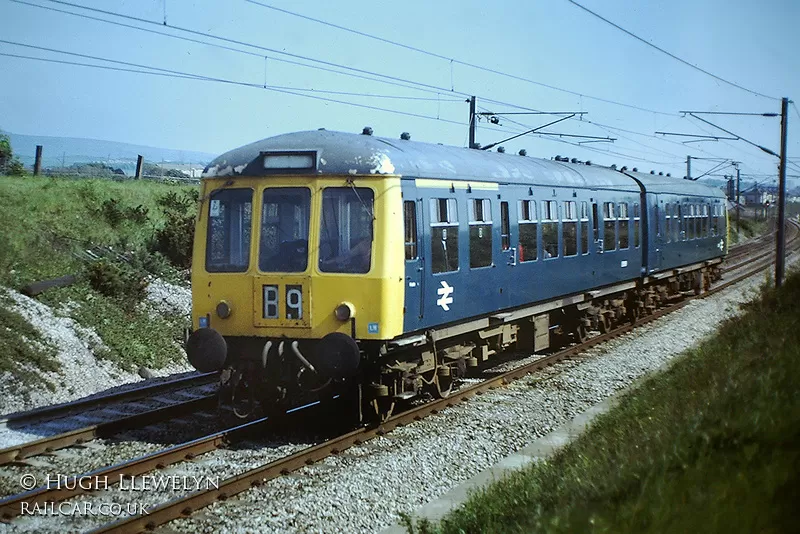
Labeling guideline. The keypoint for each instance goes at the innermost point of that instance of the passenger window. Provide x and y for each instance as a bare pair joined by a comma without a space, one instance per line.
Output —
550,229
480,233
623,225
444,235
678,223
410,219
584,227
230,213
570,225
609,225
528,248
636,217
505,227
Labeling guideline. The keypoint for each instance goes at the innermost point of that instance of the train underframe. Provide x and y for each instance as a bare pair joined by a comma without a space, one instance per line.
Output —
271,376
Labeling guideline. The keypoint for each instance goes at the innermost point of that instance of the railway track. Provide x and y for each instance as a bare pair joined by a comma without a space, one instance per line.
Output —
86,404
106,415
227,488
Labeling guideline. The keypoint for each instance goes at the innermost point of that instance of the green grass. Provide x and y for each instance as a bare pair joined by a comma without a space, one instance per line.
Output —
712,445
54,221
23,350
748,228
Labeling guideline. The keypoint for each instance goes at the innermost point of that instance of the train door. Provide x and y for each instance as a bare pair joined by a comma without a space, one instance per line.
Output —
414,259
656,232
508,254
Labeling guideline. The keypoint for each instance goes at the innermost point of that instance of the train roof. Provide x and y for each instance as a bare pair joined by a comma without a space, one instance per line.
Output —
654,183
340,153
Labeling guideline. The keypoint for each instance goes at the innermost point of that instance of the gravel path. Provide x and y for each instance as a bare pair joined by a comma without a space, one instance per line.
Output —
364,489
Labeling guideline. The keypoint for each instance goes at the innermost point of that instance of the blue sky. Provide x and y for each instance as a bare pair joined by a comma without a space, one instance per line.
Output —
554,42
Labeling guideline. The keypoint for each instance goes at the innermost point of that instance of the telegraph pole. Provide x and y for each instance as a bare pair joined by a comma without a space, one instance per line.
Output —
473,123
688,167
779,246
737,201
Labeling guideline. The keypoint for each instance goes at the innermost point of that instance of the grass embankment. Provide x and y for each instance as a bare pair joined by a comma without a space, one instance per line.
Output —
749,228
50,225
710,445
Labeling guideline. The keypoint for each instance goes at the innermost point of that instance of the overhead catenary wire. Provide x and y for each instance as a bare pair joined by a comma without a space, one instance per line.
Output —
190,76
377,77
453,60
761,153
411,85
592,149
673,56
678,158
225,47
351,70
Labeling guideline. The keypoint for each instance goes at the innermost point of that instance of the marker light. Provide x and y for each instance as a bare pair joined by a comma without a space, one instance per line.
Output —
344,311
223,310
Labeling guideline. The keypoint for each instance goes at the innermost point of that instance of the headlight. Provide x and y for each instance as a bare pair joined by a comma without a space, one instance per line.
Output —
223,310
344,311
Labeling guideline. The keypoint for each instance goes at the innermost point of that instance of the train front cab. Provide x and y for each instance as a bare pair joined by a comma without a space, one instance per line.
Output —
293,278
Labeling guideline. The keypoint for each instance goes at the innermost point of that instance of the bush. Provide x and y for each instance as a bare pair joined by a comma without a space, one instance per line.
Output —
114,213
16,168
174,239
117,279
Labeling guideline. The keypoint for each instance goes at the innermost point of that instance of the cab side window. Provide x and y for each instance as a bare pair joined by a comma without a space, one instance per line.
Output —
410,223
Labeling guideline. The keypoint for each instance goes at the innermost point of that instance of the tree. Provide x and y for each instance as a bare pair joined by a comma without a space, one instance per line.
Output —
9,164
5,152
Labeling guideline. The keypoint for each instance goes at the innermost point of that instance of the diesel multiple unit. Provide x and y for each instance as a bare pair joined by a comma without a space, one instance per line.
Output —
328,263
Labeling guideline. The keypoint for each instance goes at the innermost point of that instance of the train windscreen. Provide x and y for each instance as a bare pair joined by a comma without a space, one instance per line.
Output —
230,213
283,242
345,241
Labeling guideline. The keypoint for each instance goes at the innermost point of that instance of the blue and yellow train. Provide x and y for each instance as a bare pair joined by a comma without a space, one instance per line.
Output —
327,262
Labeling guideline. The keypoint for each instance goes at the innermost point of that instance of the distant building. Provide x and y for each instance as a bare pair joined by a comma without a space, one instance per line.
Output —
758,196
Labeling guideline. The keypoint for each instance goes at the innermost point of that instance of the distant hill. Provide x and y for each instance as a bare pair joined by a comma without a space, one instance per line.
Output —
64,151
